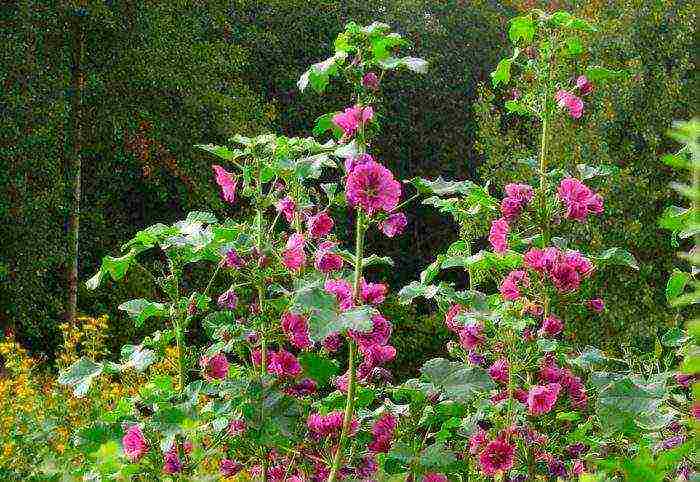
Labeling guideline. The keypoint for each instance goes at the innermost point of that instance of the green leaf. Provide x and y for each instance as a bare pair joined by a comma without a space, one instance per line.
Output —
137,357
589,172
502,73
414,64
574,46
516,107
615,257
415,289
560,18
625,404
457,381
375,260
80,376
200,217
674,337
601,74
319,368
569,416
141,309
325,123
442,187
581,24
437,457
220,151
521,28
676,284
590,357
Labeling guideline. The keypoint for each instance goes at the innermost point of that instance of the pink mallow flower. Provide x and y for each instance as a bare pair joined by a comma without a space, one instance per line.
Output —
393,225
233,260
283,364
450,316
551,326
517,196
320,225
352,118
296,327
330,424
499,370
579,200
542,398
214,367
134,443
584,85
471,336
382,433
228,299
342,290
497,457
478,441
435,477
372,187
287,207
370,81
326,260
294,257
227,182
373,293
229,468
596,304
380,334
172,463
498,235
570,102
354,161
510,287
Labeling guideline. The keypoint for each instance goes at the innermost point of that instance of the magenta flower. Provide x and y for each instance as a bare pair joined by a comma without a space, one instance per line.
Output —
367,467
435,477
134,443
471,336
583,85
370,81
227,182
517,196
236,427
330,424
326,260
382,433
478,441
510,287
332,342
499,370
393,225
373,293
380,334
571,102
596,305
450,316
229,468
288,207
172,463
233,259
551,326
342,290
283,364
579,200
352,162
352,118
304,388
372,187
542,398
296,327
228,299
498,456
320,225
498,235
294,257
215,367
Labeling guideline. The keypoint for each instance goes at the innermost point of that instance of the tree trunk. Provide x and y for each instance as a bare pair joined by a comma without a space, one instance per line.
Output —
75,164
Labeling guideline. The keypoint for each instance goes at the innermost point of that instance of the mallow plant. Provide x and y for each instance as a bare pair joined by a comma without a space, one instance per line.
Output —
282,295
516,401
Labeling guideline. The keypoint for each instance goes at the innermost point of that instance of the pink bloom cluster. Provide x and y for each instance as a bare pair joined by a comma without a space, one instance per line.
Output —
497,456
329,425
326,259
382,433
517,197
280,363
320,225
372,188
511,284
287,207
227,182
215,367
571,102
393,225
542,398
498,235
551,373
565,269
579,200
296,327
353,118
294,256
134,443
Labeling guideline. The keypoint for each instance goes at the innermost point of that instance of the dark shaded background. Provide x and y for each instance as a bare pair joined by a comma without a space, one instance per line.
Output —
164,75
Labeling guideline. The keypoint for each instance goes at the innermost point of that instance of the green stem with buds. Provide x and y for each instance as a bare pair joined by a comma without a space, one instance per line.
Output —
352,368
543,152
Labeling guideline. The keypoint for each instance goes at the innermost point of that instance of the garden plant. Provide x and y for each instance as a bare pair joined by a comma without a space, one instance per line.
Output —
277,367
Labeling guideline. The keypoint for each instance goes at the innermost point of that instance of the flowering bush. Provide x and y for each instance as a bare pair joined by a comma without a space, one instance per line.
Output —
263,395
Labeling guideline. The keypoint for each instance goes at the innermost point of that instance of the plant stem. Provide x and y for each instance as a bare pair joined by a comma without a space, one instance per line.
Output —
543,156
352,373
